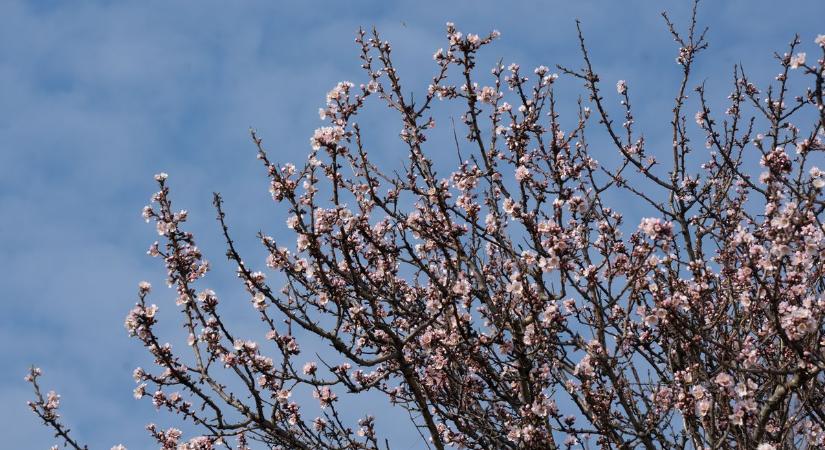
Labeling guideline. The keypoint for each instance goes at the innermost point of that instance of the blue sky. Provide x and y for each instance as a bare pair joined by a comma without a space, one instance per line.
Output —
96,96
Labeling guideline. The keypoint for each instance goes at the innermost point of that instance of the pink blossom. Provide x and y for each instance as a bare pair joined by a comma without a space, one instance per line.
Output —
310,368
724,380
488,95
325,396
326,136
522,173
797,60
655,228
700,118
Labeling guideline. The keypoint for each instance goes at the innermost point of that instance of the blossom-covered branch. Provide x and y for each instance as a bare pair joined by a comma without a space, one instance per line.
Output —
510,303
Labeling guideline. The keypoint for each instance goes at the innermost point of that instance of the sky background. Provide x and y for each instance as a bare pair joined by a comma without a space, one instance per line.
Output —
97,96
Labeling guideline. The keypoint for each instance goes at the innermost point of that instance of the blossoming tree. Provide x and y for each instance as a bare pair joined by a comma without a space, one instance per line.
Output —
507,304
